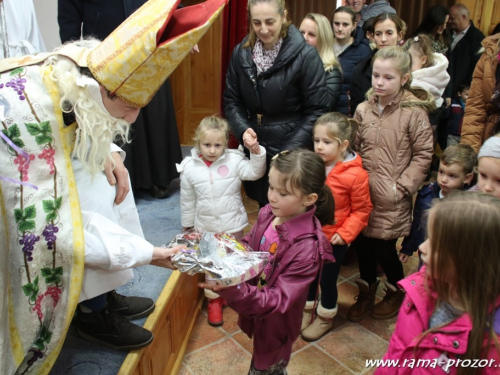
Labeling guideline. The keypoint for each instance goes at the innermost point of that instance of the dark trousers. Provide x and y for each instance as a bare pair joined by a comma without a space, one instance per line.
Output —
372,251
328,283
96,303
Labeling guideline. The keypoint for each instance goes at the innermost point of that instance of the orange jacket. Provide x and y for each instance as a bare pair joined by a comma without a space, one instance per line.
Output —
349,184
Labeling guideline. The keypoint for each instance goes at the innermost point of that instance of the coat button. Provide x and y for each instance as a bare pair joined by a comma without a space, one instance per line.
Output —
413,282
435,340
408,304
456,344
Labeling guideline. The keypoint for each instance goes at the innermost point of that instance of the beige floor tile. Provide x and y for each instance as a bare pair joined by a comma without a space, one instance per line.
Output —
203,334
312,361
230,321
184,371
349,271
382,328
244,341
225,357
352,346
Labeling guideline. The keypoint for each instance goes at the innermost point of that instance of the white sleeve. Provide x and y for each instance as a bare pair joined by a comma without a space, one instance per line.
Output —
253,169
188,202
115,148
109,246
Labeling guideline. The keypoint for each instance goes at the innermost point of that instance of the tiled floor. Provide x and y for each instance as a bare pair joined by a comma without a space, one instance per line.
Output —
226,350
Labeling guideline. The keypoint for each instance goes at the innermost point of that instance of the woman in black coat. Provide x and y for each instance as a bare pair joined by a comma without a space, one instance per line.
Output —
389,30
275,87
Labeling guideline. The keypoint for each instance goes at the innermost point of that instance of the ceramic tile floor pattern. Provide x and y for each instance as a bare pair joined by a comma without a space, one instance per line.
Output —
344,350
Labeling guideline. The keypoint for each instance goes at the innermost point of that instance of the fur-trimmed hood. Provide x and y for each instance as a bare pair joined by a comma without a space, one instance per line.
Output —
434,79
408,99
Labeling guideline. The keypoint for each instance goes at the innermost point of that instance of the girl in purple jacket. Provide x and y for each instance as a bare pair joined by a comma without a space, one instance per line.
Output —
289,228
450,318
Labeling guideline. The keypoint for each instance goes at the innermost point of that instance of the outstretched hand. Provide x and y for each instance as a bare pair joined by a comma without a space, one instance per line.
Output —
213,287
163,257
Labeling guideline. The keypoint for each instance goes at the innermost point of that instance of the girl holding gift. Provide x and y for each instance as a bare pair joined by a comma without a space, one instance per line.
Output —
289,228
211,188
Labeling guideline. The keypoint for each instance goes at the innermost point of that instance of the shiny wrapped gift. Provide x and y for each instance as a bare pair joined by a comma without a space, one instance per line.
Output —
219,256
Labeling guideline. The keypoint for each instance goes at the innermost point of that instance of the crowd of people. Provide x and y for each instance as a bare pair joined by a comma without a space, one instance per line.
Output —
338,121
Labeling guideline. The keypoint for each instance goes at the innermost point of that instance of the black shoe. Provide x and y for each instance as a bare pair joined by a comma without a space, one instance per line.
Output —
108,328
130,307
159,192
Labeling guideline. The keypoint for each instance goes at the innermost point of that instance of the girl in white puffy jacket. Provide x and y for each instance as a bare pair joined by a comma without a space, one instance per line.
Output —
211,187
429,72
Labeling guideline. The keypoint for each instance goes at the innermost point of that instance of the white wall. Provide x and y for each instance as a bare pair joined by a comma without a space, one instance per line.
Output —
46,14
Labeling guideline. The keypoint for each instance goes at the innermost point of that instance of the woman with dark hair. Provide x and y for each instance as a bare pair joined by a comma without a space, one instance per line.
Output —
434,25
388,30
350,48
275,87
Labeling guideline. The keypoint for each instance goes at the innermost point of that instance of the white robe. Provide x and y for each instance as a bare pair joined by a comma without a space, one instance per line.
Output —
23,35
114,241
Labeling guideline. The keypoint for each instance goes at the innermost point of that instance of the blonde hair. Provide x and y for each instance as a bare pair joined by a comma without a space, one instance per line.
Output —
422,43
324,40
280,5
460,225
211,123
463,155
96,129
402,63
339,126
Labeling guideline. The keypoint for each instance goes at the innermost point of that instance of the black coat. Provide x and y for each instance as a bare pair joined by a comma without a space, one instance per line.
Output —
463,60
290,95
361,81
349,58
99,17
334,85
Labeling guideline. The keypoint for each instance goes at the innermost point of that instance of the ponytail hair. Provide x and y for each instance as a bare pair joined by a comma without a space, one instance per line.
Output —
402,63
339,127
304,171
421,43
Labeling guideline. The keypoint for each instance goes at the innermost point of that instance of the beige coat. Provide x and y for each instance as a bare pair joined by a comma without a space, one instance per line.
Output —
480,114
396,147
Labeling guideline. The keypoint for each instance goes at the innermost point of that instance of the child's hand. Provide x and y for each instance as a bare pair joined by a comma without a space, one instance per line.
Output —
403,257
213,287
250,141
162,257
337,240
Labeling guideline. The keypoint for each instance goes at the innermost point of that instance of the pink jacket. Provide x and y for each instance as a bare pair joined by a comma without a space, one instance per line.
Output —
449,342
273,314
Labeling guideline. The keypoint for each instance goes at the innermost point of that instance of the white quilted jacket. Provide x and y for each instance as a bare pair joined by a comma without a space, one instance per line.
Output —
211,196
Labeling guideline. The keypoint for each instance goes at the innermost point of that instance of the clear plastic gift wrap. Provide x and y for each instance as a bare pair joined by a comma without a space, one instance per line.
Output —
219,256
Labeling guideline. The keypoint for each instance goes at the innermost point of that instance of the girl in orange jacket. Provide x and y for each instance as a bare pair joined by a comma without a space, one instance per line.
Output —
333,135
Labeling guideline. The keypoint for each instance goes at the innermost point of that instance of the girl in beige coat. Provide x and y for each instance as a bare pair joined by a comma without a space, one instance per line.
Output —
395,142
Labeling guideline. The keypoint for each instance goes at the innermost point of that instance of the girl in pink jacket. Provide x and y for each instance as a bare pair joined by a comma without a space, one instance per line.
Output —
450,319
289,228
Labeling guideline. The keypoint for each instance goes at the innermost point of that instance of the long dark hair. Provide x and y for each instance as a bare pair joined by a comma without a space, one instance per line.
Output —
305,171
435,17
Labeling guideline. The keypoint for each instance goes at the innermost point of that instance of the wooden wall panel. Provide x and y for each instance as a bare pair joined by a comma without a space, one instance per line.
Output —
196,83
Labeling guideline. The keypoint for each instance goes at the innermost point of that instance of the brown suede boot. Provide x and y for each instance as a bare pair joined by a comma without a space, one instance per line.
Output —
321,325
364,300
307,316
389,306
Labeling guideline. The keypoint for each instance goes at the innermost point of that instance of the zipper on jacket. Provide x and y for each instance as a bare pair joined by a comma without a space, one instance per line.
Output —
395,189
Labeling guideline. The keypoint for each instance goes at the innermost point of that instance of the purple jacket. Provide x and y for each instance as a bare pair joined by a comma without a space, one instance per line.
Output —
272,315
413,319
